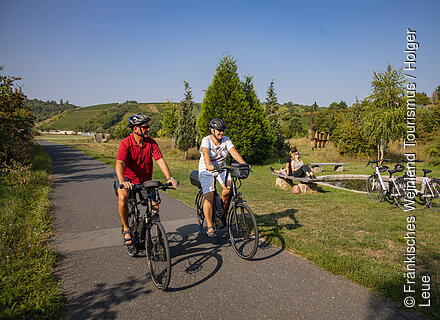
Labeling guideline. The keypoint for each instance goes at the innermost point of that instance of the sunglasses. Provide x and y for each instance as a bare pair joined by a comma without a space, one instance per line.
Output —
145,126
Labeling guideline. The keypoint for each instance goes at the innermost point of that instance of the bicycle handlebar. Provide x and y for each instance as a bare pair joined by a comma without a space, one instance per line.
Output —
377,161
161,186
406,161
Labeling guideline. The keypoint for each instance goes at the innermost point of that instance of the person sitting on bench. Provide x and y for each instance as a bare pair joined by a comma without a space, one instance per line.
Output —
295,167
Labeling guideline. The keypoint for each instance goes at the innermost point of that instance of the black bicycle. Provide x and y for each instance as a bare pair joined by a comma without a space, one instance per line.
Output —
241,222
148,233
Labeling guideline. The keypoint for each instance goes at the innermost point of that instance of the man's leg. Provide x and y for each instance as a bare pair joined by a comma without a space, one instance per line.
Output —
123,209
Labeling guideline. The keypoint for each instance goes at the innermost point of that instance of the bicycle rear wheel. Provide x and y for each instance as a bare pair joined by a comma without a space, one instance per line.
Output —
201,221
243,231
433,200
399,200
374,189
132,250
158,255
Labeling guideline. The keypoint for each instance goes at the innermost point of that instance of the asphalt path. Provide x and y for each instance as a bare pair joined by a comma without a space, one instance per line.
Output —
208,280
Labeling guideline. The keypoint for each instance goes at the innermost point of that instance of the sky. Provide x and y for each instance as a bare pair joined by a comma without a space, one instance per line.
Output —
93,52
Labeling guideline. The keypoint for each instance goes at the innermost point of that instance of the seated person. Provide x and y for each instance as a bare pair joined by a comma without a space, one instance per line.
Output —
295,166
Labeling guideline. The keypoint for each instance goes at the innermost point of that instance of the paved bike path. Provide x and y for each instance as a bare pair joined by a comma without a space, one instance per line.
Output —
208,281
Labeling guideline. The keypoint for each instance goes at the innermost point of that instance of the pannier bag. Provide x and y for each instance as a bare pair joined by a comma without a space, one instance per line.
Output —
240,170
194,178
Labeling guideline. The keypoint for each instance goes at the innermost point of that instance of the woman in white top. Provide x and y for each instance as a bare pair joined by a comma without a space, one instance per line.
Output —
214,150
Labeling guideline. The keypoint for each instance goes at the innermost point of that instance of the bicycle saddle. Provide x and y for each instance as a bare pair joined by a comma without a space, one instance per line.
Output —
426,171
151,184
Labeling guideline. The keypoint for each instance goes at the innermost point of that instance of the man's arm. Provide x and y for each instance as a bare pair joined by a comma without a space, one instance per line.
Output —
166,171
119,168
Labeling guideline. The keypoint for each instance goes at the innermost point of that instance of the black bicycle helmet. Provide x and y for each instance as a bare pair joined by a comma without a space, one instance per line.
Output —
218,124
137,119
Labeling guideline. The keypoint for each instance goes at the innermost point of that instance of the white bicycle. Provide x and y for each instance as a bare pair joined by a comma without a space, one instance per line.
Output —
394,190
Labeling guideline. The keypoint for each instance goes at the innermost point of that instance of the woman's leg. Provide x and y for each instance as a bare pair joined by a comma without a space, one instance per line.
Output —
207,207
304,171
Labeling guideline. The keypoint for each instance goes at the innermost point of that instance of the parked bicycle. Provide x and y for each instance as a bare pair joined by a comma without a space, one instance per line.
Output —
430,189
394,190
148,233
241,222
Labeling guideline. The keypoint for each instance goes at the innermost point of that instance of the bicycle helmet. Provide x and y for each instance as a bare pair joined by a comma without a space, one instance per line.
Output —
137,119
217,124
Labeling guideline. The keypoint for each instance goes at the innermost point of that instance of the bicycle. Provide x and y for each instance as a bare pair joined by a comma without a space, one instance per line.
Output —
430,189
148,232
377,189
241,221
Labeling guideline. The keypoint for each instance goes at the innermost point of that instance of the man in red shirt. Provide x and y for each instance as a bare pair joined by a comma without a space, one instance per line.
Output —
134,165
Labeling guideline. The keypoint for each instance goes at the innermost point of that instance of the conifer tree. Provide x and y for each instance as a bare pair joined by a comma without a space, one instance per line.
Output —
279,146
256,136
186,126
170,118
236,103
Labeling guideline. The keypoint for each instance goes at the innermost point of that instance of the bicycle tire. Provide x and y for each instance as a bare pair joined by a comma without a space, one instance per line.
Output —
398,200
374,188
132,250
158,255
201,221
433,201
243,231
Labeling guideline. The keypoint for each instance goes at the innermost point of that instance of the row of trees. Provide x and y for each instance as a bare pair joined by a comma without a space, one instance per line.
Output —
259,130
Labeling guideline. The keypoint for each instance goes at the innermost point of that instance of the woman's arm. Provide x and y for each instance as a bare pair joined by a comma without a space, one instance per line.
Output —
207,159
234,153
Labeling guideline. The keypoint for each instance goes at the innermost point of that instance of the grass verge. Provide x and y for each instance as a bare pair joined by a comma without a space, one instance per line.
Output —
28,287
342,232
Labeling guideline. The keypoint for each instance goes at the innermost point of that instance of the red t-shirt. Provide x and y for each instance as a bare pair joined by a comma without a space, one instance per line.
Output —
138,159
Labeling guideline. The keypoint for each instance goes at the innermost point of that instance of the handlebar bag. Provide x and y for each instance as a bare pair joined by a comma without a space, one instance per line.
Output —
240,170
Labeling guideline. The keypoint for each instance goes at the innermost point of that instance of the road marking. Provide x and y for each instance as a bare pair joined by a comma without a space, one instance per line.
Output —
113,237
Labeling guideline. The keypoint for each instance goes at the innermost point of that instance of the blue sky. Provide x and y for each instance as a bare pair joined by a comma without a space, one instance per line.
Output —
92,52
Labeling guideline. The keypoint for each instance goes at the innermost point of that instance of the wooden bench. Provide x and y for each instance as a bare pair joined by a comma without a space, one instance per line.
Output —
304,180
335,164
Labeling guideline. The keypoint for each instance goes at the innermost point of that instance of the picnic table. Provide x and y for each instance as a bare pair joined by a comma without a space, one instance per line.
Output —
337,165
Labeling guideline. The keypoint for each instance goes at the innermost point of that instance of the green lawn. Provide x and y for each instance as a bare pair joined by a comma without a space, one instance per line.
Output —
343,232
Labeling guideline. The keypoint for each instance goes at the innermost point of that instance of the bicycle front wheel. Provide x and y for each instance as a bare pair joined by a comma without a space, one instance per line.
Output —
243,231
433,200
374,189
158,255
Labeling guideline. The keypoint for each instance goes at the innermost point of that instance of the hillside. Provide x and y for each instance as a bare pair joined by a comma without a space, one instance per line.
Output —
44,110
104,117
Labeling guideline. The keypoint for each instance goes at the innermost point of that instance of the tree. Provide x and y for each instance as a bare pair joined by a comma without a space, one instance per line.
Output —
384,115
296,128
170,119
435,98
422,99
186,132
16,122
280,146
257,135
237,104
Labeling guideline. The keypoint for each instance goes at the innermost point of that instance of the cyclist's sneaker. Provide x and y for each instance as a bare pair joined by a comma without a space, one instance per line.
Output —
271,169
